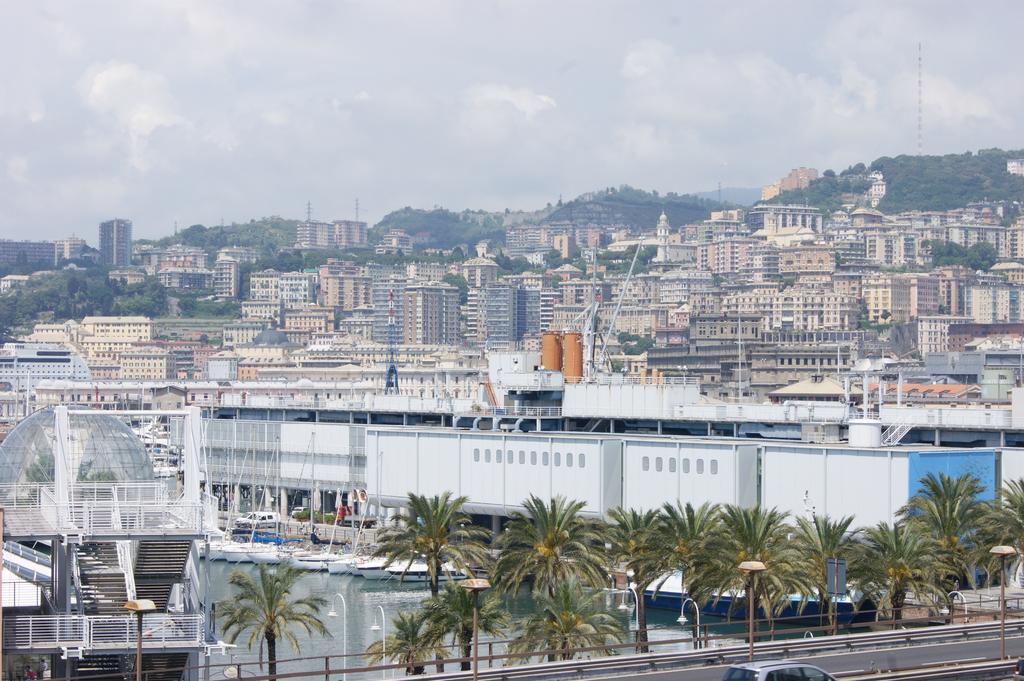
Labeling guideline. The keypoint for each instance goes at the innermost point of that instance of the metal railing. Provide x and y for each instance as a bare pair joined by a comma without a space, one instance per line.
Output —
525,412
21,594
106,508
102,632
132,518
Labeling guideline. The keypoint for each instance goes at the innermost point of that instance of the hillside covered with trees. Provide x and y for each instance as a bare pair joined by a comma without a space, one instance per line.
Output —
440,228
635,208
73,294
920,182
267,235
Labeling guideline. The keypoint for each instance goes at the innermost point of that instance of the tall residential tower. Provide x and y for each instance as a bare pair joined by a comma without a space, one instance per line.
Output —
116,242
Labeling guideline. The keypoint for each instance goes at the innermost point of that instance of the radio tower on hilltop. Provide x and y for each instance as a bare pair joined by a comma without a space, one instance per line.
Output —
920,99
391,374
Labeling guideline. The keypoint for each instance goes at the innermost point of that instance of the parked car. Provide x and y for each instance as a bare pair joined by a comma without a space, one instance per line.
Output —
258,520
776,670
299,511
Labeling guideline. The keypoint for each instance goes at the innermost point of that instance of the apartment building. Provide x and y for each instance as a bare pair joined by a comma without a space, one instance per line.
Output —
727,256
808,259
427,271
891,247
240,333
153,260
337,234
479,272
508,313
243,254
346,291
226,277
147,364
185,278
265,286
775,218
297,288
795,308
565,244
993,303
27,252
70,247
933,332
309,320
887,299
431,314
133,329
116,242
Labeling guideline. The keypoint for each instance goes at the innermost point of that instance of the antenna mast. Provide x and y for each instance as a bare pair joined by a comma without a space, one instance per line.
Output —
309,212
357,209
920,98
590,324
391,374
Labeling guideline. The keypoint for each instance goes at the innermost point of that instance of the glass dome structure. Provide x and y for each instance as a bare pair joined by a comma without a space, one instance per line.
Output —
103,449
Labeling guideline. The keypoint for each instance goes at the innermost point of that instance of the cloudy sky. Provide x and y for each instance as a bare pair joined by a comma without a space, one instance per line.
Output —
197,111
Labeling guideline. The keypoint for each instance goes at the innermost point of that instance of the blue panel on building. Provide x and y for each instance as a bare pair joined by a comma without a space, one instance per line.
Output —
981,463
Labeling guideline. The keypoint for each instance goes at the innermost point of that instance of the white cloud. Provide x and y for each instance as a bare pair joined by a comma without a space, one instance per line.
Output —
362,96
525,101
17,169
275,117
645,58
137,101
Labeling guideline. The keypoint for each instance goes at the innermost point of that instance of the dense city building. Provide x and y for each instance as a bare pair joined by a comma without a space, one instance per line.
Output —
116,242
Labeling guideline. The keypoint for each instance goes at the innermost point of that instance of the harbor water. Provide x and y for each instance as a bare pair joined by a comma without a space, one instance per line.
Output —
362,626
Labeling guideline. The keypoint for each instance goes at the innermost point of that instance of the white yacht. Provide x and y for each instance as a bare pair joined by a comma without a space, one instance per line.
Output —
345,565
314,561
417,572
371,568
236,552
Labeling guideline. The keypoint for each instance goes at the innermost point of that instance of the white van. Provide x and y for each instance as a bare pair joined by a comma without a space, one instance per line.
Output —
258,520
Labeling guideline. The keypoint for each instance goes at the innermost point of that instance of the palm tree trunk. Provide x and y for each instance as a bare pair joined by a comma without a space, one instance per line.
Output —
434,575
641,632
271,640
466,640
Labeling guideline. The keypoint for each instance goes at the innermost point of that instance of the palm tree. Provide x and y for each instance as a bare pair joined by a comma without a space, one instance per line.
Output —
437,531
265,608
897,559
758,534
413,644
566,620
551,543
948,510
634,540
687,536
1003,520
817,541
451,614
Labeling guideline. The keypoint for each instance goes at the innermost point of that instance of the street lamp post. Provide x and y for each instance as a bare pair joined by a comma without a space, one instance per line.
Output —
475,586
751,568
140,607
683,621
344,627
383,628
1003,552
952,606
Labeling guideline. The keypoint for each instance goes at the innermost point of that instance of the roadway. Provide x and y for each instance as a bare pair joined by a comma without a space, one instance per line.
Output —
858,662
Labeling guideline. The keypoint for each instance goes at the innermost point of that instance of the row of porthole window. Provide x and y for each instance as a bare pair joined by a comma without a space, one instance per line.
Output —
545,458
659,465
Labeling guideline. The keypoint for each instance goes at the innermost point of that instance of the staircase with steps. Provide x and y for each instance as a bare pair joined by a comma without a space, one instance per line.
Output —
107,667
163,666
159,565
101,579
